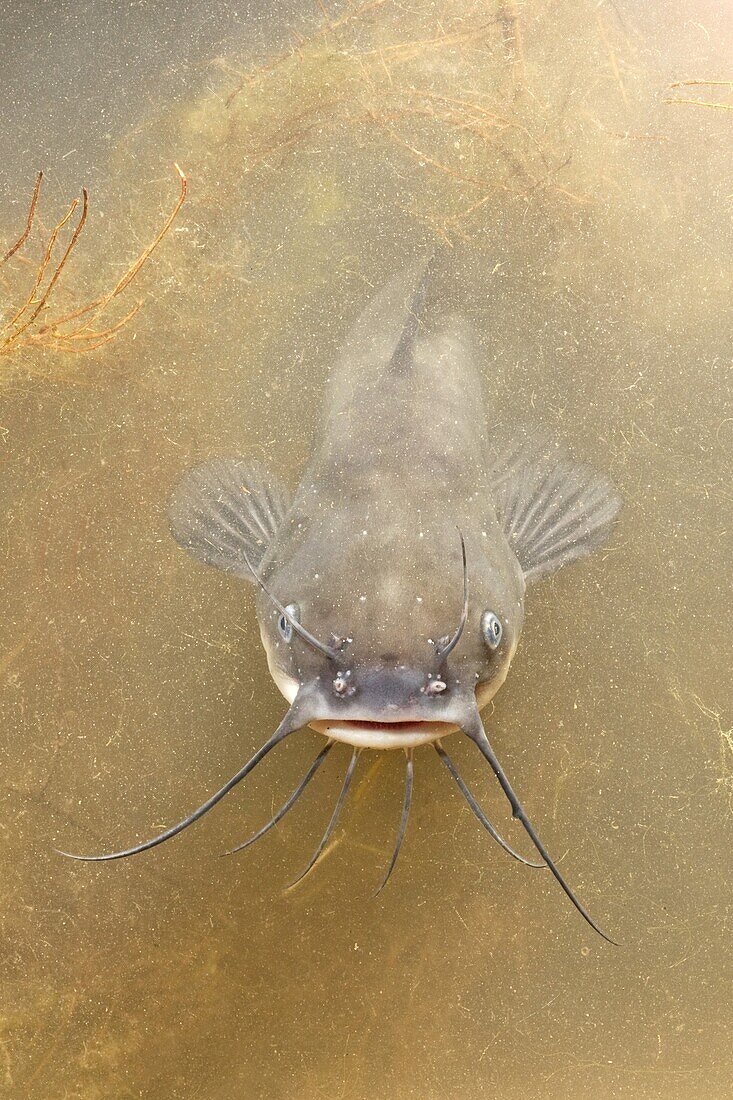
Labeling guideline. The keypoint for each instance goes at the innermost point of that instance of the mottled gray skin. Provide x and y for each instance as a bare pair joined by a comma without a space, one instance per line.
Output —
370,549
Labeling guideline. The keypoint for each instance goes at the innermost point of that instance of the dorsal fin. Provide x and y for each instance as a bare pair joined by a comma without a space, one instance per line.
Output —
383,335
403,354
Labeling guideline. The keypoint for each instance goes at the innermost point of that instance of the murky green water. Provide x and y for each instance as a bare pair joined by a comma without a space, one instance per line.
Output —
586,232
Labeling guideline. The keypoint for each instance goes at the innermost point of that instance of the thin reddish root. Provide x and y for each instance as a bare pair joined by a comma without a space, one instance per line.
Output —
702,84
41,269
17,332
101,303
53,333
62,264
29,221
702,103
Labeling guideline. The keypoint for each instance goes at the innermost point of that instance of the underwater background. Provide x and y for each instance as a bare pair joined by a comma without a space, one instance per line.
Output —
571,160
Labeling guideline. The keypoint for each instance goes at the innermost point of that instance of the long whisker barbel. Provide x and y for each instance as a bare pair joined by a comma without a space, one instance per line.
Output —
288,804
409,772
333,821
446,647
321,647
291,722
473,728
476,809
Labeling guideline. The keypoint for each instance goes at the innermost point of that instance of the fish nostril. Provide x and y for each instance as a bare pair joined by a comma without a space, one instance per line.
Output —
342,684
435,687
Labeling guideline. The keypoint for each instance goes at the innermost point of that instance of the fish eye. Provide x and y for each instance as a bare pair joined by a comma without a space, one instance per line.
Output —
491,629
284,625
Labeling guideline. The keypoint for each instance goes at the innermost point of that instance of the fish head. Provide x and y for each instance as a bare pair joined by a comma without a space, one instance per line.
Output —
411,628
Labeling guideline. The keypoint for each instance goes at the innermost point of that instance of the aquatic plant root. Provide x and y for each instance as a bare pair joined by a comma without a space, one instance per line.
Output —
83,328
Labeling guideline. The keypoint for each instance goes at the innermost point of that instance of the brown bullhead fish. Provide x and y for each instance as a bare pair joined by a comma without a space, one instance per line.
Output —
391,583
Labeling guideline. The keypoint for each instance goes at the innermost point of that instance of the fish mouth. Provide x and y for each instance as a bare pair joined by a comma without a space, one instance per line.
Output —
369,734
380,733
405,733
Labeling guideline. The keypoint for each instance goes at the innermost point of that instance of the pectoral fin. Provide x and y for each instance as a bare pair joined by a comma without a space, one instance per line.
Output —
551,510
225,509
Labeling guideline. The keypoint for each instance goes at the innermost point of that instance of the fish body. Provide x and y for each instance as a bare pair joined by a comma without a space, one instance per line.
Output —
391,583
370,547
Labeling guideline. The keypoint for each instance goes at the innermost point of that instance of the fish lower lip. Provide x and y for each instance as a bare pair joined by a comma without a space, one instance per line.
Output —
366,733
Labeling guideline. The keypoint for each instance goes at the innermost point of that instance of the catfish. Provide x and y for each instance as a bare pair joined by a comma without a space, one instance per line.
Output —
390,585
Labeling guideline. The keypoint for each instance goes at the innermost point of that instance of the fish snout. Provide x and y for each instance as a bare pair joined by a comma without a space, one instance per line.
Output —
386,706
390,689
